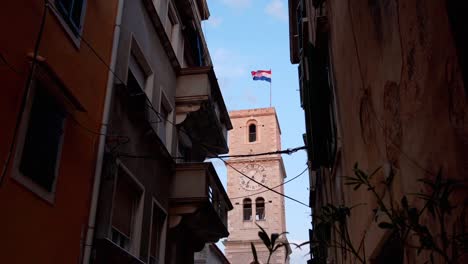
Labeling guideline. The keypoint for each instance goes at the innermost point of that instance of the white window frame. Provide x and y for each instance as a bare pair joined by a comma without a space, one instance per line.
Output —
135,238
174,36
75,39
162,239
17,175
137,54
169,123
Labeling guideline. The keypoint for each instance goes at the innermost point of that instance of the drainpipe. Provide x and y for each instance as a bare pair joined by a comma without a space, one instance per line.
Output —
102,139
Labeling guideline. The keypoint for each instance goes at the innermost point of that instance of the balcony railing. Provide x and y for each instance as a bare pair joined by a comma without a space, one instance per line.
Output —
201,111
198,196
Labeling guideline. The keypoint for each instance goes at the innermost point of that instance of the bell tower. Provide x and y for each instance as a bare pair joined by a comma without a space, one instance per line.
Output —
254,131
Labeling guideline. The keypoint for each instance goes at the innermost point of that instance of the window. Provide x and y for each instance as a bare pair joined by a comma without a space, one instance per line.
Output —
172,23
165,122
126,203
252,133
72,13
164,113
157,229
42,143
247,204
260,209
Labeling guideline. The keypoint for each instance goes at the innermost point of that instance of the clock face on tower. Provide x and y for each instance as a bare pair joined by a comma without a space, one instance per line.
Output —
254,171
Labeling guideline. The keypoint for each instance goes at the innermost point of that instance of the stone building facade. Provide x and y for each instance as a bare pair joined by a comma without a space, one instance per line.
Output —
254,131
384,84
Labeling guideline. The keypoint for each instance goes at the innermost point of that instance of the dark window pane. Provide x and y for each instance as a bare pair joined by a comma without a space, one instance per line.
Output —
260,209
71,11
42,142
156,230
76,12
247,206
252,133
125,201
64,5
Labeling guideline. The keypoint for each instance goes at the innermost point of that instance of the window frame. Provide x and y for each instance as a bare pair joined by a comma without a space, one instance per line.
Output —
162,238
257,132
247,201
27,182
169,122
135,238
171,28
141,63
74,37
256,209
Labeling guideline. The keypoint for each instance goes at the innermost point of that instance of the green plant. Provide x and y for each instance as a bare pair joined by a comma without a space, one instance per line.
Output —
272,243
401,218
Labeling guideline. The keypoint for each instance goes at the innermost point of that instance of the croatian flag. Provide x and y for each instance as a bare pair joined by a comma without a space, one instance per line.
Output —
261,75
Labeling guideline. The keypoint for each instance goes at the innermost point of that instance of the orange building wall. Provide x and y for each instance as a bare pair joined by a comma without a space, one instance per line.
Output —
33,230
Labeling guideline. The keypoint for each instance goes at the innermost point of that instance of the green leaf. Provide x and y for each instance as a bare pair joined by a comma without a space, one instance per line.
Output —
266,240
386,225
274,236
254,252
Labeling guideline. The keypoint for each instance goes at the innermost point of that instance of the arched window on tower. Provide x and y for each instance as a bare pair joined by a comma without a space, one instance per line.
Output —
259,209
252,133
247,206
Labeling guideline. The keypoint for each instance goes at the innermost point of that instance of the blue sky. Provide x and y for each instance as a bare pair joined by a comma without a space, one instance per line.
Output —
246,35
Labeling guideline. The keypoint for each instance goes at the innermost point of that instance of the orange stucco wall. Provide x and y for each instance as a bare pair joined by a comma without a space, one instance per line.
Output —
33,230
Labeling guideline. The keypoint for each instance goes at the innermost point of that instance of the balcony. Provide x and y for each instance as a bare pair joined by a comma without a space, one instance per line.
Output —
109,252
199,202
201,113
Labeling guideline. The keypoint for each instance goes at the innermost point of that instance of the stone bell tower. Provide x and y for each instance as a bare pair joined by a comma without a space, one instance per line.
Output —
254,131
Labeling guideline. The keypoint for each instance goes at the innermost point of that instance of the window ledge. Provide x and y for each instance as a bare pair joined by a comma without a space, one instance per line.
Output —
37,190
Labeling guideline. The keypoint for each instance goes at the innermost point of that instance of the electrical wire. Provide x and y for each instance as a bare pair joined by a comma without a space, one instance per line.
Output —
263,185
274,187
80,36
8,65
26,91
288,151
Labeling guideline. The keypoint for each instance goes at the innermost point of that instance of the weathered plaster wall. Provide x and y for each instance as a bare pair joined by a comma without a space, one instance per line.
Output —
399,95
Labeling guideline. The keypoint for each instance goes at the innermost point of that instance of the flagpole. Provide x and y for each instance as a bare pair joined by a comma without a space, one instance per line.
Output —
271,79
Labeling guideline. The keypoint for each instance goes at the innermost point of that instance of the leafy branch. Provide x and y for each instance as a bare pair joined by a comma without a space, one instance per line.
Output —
403,219
272,243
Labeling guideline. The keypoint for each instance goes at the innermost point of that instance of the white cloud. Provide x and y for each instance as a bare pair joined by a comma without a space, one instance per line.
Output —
277,9
238,4
227,65
214,21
